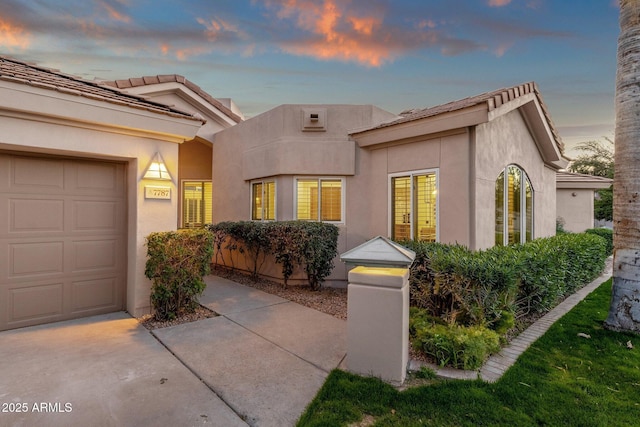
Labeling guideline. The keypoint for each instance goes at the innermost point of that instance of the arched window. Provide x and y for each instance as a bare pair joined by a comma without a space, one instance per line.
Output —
514,207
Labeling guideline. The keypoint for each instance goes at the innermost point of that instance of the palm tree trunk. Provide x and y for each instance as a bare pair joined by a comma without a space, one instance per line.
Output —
624,312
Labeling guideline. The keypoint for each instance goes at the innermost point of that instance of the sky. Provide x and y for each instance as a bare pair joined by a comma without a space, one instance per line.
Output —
395,54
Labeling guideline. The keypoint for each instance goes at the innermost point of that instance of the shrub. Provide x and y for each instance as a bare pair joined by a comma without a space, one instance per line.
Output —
454,345
176,264
461,299
311,246
586,254
542,270
605,233
488,288
464,287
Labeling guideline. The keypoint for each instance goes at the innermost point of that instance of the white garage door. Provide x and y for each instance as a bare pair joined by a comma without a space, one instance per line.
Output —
62,239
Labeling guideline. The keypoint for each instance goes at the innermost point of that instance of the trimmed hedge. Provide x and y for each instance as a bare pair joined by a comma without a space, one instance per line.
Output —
606,233
311,246
463,301
176,263
485,288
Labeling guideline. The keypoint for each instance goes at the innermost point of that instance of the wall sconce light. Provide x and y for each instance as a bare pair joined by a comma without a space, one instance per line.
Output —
157,169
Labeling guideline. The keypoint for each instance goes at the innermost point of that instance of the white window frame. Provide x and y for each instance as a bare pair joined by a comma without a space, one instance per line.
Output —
182,204
320,179
411,174
523,206
275,198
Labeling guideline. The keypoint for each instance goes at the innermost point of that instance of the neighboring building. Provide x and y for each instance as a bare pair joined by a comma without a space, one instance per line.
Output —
75,207
575,198
479,171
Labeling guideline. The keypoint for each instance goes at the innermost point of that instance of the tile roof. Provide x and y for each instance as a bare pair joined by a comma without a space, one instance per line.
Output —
171,78
569,177
24,73
493,100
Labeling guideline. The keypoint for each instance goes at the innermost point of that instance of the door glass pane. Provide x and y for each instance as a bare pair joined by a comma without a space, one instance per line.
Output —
331,200
208,201
193,205
529,210
401,208
424,220
500,209
514,204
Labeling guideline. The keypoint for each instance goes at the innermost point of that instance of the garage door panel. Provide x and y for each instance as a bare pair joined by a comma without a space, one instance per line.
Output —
94,254
100,293
36,175
62,239
91,215
104,179
36,303
32,215
36,258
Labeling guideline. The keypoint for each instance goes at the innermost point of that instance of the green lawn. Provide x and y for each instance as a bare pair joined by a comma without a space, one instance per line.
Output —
561,380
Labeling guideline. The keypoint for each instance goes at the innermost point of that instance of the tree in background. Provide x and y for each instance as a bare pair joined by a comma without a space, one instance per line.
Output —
624,312
597,159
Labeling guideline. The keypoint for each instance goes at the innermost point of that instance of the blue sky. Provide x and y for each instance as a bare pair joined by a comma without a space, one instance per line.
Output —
396,54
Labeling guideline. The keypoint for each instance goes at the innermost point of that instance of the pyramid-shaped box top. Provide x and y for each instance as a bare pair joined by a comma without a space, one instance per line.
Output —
379,252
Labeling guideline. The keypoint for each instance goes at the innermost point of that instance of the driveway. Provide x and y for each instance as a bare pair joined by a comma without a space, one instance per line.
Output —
259,363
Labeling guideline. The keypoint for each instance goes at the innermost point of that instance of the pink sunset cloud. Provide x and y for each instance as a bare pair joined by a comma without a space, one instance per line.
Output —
12,35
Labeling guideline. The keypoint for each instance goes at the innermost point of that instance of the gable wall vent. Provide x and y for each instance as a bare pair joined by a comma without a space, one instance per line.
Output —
314,119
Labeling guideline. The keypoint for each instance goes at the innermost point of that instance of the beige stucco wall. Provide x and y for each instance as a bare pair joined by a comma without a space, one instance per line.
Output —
31,121
274,146
503,141
448,155
575,207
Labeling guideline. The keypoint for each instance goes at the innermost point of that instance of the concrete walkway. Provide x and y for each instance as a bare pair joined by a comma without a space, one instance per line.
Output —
265,356
259,363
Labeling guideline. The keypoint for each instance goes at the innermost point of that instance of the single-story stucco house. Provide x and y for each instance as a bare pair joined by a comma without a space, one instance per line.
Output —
479,172
88,169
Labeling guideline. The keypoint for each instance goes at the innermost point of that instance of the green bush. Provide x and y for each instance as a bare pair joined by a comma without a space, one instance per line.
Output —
311,246
453,345
177,261
461,299
542,268
464,287
489,288
587,254
605,233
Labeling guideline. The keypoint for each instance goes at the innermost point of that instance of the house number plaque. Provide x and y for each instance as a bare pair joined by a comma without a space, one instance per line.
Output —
157,192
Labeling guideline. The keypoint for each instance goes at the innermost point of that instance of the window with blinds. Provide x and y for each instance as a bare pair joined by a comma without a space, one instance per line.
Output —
196,203
319,199
414,208
263,201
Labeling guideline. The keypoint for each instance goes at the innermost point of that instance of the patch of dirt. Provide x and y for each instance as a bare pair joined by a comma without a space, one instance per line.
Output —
149,322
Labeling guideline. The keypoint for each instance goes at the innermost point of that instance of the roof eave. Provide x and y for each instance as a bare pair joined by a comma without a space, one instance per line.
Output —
543,134
444,122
